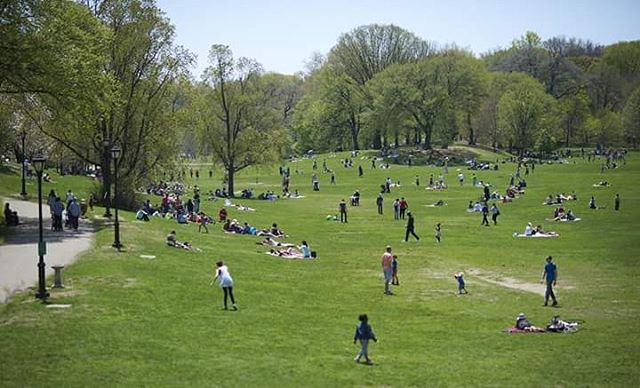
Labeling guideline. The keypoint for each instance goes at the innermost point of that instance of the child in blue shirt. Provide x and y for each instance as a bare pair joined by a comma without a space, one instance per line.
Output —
364,333
460,278
394,271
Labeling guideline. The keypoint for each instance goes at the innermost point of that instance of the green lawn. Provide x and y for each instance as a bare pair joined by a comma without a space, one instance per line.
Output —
142,322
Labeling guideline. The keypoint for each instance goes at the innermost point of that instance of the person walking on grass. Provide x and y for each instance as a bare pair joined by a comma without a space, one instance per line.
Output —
485,213
396,209
387,269
394,271
343,211
410,228
616,202
364,333
495,212
226,283
379,202
461,285
438,232
550,277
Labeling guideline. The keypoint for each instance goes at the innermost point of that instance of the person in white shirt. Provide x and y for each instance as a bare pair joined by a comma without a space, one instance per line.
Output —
226,283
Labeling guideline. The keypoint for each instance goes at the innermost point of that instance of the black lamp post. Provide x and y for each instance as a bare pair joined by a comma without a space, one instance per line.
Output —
107,196
38,163
116,151
23,136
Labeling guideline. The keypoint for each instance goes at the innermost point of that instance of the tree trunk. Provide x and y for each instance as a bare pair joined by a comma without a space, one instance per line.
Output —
376,141
230,184
427,138
397,138
472,135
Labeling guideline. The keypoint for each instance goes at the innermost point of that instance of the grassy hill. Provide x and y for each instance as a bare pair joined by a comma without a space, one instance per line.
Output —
143,322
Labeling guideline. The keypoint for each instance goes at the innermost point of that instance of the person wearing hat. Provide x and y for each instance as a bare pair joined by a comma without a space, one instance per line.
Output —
550,276
522,323
410,228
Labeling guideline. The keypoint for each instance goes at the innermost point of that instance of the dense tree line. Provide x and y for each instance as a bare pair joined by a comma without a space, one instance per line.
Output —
535,95
78,76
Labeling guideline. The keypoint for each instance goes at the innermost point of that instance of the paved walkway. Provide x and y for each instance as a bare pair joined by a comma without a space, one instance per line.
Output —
19,255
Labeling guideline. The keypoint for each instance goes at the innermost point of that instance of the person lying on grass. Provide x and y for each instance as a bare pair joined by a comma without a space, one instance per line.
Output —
173,242
268,241
291,253
522,323
530,231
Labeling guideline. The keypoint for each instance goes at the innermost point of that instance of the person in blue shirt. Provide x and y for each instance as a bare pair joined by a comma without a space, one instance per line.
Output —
304,248
461,286
364,333
550,276
394,271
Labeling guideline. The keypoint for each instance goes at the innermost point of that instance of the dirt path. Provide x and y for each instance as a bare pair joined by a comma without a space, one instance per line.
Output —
19,255
536,288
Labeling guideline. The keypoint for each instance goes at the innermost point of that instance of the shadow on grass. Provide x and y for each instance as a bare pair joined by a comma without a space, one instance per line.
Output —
28,231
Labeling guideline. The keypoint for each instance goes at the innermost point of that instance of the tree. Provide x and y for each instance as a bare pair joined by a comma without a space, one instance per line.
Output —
524,111
236,118
368,50
631,118
574,110
427,90
605,129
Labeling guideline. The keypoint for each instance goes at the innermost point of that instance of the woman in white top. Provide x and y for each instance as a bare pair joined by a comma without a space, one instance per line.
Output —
226,282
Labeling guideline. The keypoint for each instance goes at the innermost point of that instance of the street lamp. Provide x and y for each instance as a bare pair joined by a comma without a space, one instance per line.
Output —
106,143
23,136
38,163
116,151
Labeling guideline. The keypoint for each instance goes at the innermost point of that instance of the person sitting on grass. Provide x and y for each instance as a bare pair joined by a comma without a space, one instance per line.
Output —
542,232
522,323
10,216
142,215
274,232
306,251
528,230
173,242
222,215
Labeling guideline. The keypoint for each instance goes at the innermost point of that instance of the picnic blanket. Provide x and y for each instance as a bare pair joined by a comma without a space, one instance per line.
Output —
538,235
515,330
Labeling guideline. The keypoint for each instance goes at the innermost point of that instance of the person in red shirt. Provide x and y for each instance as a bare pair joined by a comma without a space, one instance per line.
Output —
403,207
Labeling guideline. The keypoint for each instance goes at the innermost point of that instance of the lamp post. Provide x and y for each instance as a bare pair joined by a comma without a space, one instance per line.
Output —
107,196
23,136
38,163
116,151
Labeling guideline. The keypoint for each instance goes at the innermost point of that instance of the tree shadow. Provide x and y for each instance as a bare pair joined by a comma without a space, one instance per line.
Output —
27,232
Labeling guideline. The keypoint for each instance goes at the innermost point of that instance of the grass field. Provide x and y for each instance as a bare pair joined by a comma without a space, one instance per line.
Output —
142,322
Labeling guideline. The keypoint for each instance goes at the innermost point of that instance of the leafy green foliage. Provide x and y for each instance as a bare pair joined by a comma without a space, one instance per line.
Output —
136,321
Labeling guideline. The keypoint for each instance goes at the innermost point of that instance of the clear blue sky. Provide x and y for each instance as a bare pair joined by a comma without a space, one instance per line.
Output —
282,35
